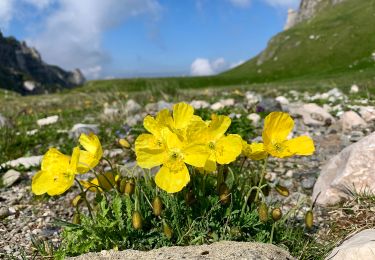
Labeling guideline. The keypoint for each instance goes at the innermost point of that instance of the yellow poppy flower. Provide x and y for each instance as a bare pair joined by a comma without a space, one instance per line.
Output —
57,173
170,152
223,149
92,154
254,151
104,182
182,116
277,126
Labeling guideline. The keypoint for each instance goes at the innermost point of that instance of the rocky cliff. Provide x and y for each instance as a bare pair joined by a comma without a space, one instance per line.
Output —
307,10
23,70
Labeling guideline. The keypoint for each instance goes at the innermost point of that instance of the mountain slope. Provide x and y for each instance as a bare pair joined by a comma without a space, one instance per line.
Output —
22,70
338,39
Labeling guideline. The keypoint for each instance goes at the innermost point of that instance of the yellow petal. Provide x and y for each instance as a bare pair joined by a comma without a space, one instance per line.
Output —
86,162
151,125
172,181
302,145
277,126
196,154
40,183
72,168
55,161
92,185
218,126
257,152
91,144
60,184
227,148
171,139
150,151
182,114
210,165
164,118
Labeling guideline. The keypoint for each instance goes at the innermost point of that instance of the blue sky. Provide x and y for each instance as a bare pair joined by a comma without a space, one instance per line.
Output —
130,38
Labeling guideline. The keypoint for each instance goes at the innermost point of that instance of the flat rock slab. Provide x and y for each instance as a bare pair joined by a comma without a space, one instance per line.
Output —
228,250
361,246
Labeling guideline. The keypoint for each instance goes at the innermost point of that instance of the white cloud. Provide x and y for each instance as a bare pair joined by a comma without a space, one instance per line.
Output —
71,36
6,12
235,64
201,67
205,67
92,72
283,3
241,3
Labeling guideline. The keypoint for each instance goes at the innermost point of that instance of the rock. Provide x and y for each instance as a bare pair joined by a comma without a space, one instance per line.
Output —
133,120
360,246
3,121
10,177
132,107
4,212
354,89
355,136
252,98
48,120
254,117
76,77
367,113
164,105
151,107
79,129
268,105
19,62
228,250
308,183
26,162
353,168
30,85
312,114
222,103
110,112
198,104
282,100
351,120
216,106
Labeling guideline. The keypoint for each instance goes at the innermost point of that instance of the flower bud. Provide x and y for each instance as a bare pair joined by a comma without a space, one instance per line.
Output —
276,214
167,230
127,186
137,220
77,200
157,206
190,197
124,143
263,212
283,191
309,219
76,218
224,194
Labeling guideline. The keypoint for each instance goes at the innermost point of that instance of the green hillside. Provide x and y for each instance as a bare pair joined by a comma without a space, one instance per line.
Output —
339,40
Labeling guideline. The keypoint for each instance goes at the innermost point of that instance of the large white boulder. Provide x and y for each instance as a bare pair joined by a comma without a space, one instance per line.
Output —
360,246
353,168
312,114
351,120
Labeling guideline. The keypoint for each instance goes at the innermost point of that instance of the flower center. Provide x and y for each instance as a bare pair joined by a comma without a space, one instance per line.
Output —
211,145
278,147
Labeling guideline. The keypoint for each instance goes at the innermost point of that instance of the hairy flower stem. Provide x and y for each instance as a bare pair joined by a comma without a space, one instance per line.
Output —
262,174
176,220
272,231
220,178
84,197
258,189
